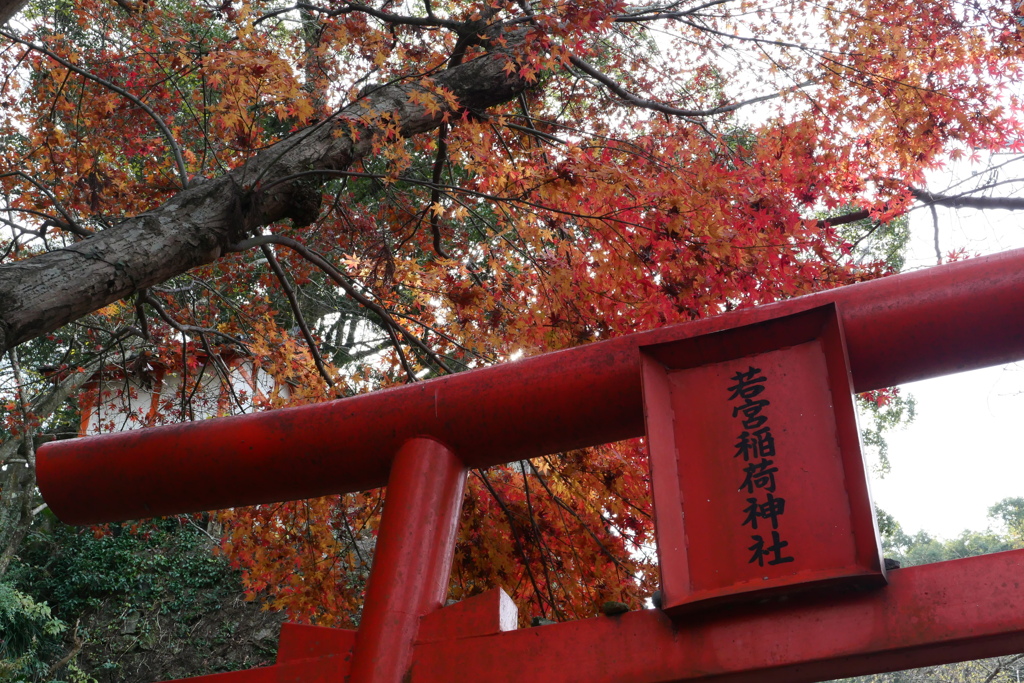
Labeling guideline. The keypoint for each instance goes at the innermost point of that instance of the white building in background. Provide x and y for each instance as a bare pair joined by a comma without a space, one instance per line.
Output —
146,392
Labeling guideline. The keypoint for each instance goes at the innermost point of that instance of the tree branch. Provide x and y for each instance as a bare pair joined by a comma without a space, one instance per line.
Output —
184,328
629,97
964,200
515,537
299,318
429,21
435,193
665,12
40,294
8,8
71,225
390,324
851,217
565,506
17,508
44,406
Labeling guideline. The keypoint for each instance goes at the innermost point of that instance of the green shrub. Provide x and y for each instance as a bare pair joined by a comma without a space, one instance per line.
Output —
113,583
28,632
162,564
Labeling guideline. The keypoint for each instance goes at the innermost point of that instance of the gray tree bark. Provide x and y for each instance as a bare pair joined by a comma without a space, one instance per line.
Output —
41,294
8,8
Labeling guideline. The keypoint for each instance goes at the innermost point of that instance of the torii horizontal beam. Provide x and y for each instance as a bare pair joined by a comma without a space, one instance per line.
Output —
928,615
898,329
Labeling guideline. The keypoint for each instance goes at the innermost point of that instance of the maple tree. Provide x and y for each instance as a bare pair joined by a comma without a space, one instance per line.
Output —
354,195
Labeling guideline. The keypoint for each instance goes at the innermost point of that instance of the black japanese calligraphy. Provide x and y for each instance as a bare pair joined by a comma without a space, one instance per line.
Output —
759,444
774,550
769,510
759,475
748,384
756,446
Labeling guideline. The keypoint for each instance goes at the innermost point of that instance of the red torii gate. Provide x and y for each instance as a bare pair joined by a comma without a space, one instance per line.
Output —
420,440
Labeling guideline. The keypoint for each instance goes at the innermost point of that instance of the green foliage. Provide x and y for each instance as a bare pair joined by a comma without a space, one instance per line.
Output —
922,548
871,240
27,631
1009,513
115,584
881,412
894,539
995,670
157,564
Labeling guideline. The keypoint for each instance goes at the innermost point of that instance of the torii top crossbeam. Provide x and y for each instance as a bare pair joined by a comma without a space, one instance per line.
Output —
927,323
421,439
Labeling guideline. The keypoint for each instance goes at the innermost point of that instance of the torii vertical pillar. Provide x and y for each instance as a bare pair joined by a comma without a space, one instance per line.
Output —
412,560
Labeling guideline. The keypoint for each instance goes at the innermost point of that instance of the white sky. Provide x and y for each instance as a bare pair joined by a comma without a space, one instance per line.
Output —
962,454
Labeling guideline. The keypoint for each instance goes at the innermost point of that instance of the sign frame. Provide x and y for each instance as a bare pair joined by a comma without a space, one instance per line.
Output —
693,536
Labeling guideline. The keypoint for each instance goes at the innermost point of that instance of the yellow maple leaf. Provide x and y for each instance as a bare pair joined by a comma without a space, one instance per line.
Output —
425,100
111,310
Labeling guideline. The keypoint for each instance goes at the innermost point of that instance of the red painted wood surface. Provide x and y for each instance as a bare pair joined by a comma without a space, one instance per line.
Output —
318,654
328,669
903,328
906,327
412,559
931,614
302,641
927,615
486,614
790,510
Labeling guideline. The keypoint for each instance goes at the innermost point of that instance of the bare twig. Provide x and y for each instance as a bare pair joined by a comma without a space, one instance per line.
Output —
1001,666
964,200
608,217
565,506
348,7
299,318
409,372
182,327
515,537
44,406
435,192
69,223
451,340
541,546
222,370
79,643
23,404
629,97
664,12
389,322
140,315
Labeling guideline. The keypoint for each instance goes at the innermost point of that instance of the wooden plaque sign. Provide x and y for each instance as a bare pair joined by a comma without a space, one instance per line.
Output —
759,484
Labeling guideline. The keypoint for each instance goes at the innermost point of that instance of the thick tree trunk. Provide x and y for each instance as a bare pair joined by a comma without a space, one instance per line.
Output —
40,294
8,8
